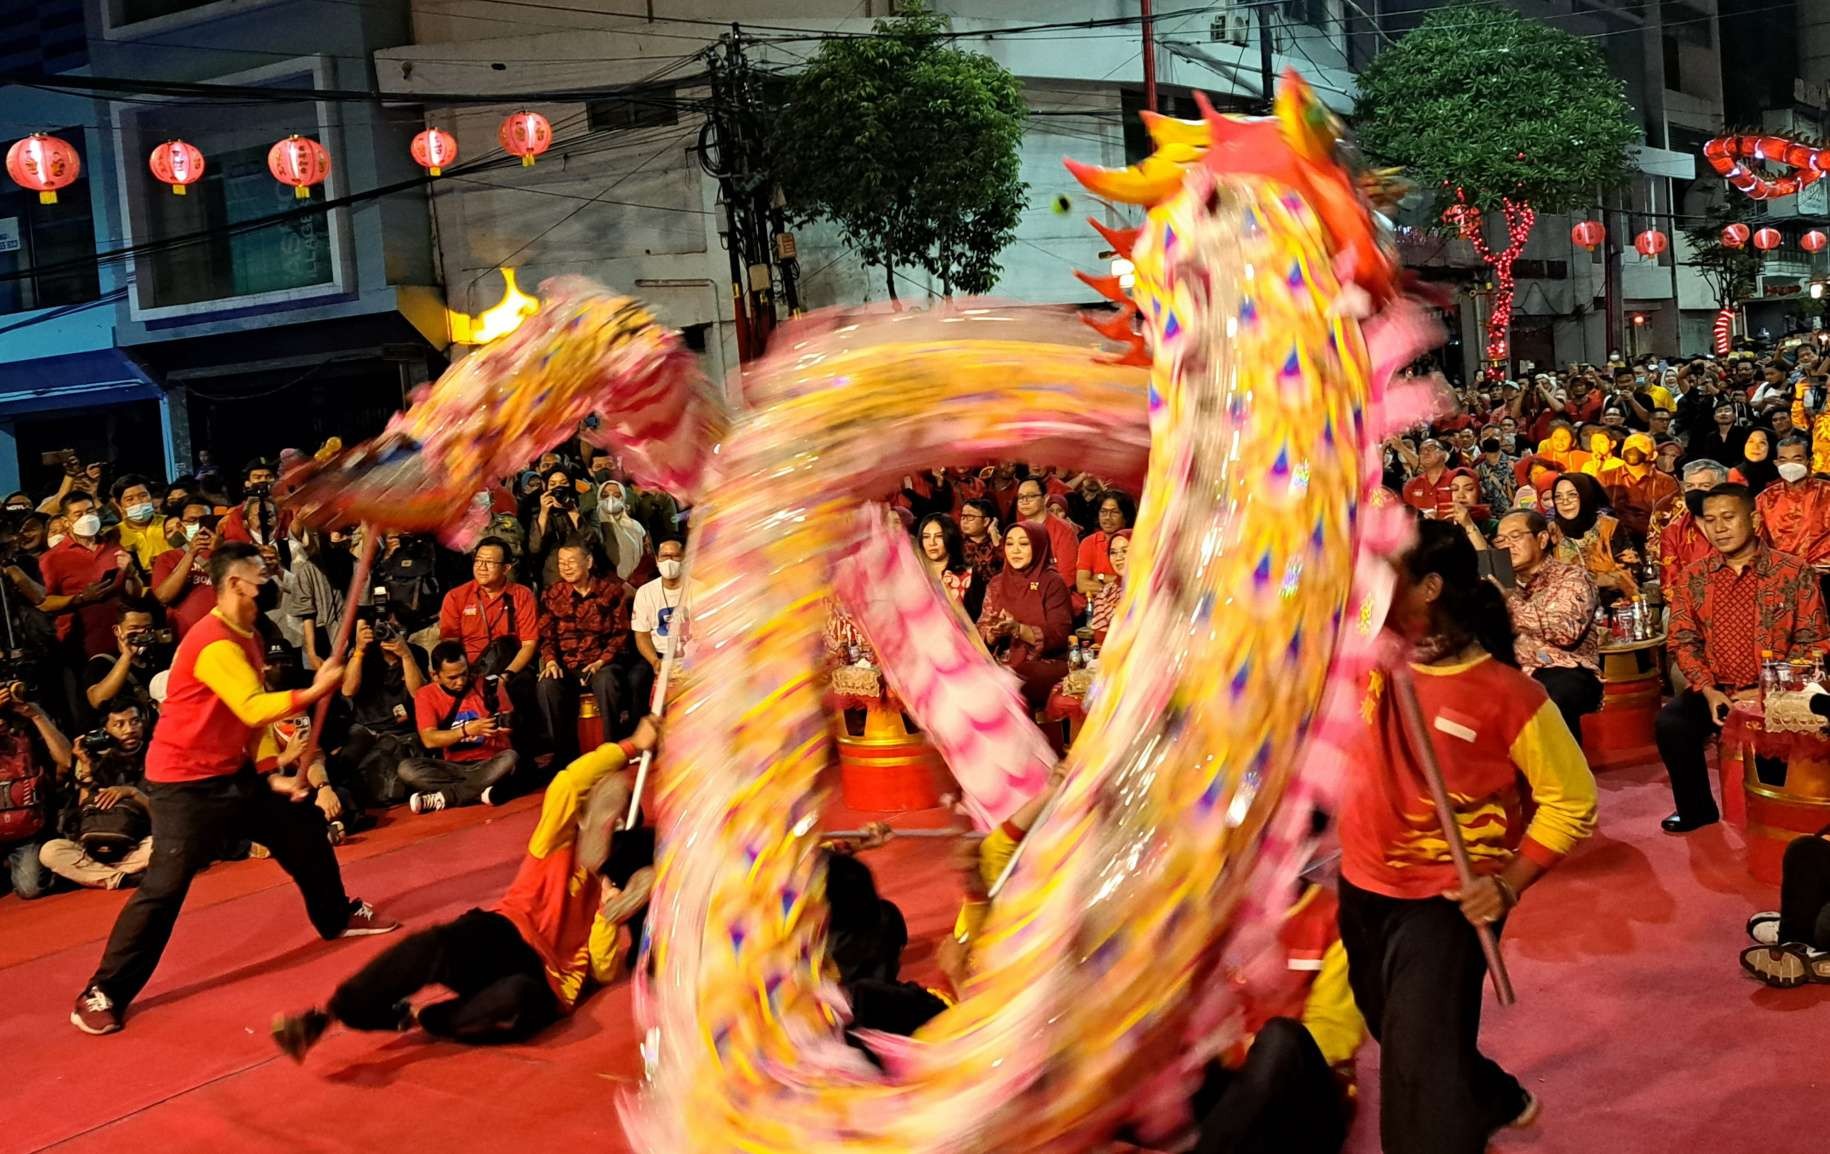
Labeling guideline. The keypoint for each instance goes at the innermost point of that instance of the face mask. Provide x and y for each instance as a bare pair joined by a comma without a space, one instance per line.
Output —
670,569
1793,471
615,505
1693,501
87,525
54,540
140,514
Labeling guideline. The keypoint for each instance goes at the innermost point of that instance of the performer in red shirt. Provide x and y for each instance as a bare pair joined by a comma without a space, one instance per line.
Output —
203,788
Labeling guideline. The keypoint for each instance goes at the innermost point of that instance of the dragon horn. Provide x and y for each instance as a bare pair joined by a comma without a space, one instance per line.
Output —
1166,131
1150,182
1105,286
1122,240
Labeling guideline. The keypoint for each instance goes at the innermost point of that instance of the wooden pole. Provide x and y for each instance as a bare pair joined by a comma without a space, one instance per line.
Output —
365,562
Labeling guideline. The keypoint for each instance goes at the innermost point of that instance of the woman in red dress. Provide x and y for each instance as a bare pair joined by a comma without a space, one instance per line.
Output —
1028,616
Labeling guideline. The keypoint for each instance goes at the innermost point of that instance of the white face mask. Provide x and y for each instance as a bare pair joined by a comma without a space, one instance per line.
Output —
670,569
615,505
87,525
1793,471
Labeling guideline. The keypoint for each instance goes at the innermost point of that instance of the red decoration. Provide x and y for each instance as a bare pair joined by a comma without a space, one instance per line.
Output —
44,164
1468,220
527,135
1725,332
1812,241
1732,157
1735,235
1767,239
433,149
299,161
1651,242
176,163
1589,234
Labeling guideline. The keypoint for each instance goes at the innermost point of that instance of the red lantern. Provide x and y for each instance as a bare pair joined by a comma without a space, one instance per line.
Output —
176,163
1735,235
299,161
1812,241
527,135
43,163
433,149
1651,242
1767,239
1589,234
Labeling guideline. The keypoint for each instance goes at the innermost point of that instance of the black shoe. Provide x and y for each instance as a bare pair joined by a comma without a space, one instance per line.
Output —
295,1034
1678,823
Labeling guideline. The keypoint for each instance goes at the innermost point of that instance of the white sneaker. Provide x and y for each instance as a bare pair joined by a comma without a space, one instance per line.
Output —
1528,1117
426,802
489,796
1763,927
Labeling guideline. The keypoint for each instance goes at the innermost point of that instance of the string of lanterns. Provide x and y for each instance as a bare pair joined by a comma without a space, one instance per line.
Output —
45,163
1589,234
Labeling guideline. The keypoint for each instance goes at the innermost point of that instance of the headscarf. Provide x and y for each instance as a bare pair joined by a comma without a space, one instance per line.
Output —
1480,510
1757,475
1020,591
620,530
1594,499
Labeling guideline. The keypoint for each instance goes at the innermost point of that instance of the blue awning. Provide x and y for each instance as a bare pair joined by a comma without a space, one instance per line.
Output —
74,381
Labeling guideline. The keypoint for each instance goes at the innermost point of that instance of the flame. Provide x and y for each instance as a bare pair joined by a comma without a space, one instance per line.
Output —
497,321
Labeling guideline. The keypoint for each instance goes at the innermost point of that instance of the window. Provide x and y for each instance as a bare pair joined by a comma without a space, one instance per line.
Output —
42,36
1674,73
654,108
47,251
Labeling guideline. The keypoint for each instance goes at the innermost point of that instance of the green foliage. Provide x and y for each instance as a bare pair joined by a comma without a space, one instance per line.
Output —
910,146
1480,98
1729,271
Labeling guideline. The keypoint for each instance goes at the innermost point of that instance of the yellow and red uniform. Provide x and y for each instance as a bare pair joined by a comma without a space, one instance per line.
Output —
1488,723
215,709
1319,997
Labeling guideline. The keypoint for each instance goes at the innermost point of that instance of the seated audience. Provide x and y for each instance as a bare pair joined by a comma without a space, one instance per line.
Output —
497,621
463,720
1726,610
1678,537
104,833
1795,509
1105,603
1064,543
1093,568
1637,487
659,616
1757,469
585,643
943,552
978,525
33,754
1553,617
1589,535
381,681
623,540
1027,616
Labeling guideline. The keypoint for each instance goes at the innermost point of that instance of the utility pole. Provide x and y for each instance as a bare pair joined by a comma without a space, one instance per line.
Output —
1264,55
1149,55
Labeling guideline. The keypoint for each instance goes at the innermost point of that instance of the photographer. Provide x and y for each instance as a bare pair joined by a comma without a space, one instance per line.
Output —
84,577
129,672
181,575
558,519
33,754
464,720
379,685
257,520
105,830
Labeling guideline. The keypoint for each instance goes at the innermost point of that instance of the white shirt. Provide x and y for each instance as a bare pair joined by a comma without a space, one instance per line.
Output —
659,614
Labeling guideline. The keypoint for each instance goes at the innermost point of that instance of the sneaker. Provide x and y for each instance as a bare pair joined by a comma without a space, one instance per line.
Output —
1528,1117
295,1034
426,802
364,922
1786,966
489,796
335,832
95,1013
258,852
1763,927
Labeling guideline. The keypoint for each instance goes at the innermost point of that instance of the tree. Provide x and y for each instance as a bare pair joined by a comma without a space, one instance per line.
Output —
910,147
1501,118
1729,271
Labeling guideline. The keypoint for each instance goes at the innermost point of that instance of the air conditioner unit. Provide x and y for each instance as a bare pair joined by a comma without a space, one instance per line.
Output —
1232,24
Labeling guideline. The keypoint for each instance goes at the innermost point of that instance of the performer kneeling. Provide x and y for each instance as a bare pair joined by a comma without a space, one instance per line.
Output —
521,966
1414,959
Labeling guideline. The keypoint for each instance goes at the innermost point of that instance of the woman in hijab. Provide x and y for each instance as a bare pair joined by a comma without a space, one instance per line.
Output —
1028,615
1105,602
624,541
1590,534
1757,469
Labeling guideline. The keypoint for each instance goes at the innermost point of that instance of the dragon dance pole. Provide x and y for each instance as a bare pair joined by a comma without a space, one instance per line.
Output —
365,562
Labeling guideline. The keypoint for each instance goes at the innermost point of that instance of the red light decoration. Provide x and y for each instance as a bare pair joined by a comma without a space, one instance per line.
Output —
1651,242
1735,235
176,163
299,161
433,149
1469,221
44,164
1812,241
527,135
1767,239
1733,157
1724,332
1589,234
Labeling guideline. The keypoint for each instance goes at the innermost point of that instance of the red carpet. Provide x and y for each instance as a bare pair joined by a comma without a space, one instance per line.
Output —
1634,1023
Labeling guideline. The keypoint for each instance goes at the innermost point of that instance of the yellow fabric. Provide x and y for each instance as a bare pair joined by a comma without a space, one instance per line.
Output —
995,853
1561,783
1331,1015
1661,398
565,797
224,667
607,949
145,542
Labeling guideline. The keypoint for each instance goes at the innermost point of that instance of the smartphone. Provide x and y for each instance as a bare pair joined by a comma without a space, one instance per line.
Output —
54,457
1497,564
111,576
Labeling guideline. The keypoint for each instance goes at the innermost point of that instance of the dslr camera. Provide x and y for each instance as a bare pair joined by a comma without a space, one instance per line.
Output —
565,497
492,699
97,742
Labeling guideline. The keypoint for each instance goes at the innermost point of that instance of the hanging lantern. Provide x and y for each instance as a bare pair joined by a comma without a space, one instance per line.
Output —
44,164
1735,235
299,161
1812,241
176,163
527,135
1651,242
1589,234
433,149
1767,239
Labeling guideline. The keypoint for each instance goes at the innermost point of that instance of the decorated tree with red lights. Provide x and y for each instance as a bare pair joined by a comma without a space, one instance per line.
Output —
1499,118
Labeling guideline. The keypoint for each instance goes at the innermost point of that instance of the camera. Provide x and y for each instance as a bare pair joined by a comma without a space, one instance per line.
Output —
144,641
97,742
564,497
492,700
262,490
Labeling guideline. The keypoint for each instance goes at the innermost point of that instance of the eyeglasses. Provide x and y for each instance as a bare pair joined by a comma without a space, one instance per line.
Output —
479,563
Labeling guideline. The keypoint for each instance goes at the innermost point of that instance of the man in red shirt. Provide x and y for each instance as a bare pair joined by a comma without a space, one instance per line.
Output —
85,575
492,609
465,720
1728,609
203,789
1795,510
585,639
1429,489
181,575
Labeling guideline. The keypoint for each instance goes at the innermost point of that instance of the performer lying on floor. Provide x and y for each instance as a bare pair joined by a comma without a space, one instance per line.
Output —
1795,938
522,965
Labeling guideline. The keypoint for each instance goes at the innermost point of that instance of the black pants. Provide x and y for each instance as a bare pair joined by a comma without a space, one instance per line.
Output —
191,822
1284,1100
1416,970
1573,691
1804,893
1683,730
500,983
620,687
462,782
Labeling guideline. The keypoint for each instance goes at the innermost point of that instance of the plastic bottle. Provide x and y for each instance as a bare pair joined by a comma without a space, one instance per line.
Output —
1767,678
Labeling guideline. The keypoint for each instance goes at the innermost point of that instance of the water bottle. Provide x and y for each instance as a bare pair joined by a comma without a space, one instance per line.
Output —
1767,678
1074,655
